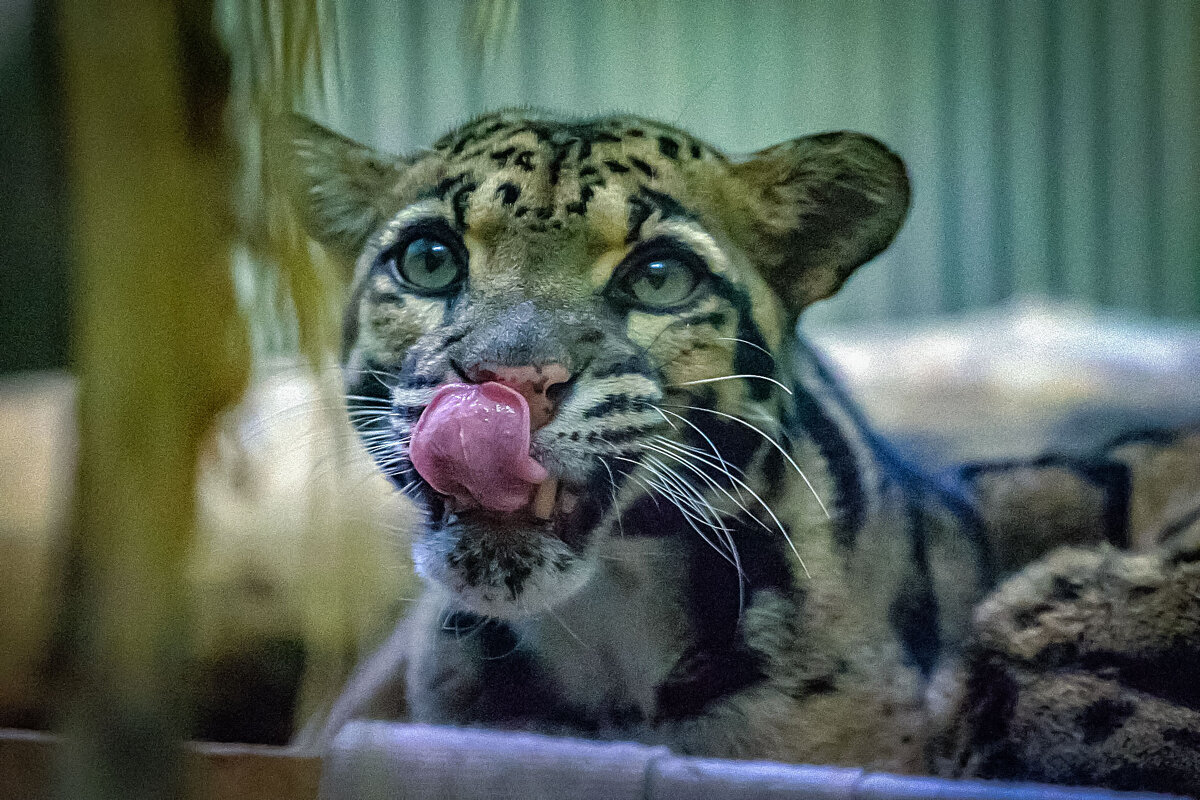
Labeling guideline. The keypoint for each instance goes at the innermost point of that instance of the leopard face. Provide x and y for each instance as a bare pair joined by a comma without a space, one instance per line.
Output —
633,285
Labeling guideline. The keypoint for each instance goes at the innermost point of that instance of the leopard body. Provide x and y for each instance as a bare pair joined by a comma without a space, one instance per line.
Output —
739,567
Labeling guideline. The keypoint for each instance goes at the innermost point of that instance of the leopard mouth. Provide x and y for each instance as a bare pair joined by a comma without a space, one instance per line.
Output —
510,526
550,509
551,499
508,564
473,446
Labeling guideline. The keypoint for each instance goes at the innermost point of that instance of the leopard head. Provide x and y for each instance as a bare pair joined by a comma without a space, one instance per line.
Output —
549,317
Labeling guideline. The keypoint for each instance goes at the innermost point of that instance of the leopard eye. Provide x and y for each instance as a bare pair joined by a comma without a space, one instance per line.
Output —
430,266
659,282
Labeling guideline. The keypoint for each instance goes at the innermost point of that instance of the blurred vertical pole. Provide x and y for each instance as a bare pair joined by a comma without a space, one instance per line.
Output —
160,349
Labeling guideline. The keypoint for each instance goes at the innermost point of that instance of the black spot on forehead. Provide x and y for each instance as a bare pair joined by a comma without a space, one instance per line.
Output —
446,185
643,167
573,158
509,193
554,168
667,205
639,212
524,160
583,134
460,201
647,201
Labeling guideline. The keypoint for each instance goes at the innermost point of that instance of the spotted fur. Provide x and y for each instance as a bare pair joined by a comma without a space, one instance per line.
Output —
1082,671
1134,492
749,571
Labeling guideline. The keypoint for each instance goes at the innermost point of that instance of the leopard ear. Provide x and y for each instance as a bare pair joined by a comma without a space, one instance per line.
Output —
341,190
814,209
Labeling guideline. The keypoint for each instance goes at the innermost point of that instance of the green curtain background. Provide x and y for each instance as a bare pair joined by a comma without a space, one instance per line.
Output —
1054,145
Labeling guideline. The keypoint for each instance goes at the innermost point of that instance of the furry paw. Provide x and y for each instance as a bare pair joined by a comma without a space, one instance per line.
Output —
1084,670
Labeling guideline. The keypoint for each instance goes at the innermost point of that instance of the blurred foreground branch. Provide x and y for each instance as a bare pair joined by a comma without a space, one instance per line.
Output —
160,349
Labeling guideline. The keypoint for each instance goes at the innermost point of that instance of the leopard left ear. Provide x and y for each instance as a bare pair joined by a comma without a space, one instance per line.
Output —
814,209
342,190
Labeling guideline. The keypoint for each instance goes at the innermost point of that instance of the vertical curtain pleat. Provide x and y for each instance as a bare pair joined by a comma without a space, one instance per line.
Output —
1054,184
1053,144
1129,155
1177,31
1079,156
1027,157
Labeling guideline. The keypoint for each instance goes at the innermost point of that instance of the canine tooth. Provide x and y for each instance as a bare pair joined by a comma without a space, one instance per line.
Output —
543,500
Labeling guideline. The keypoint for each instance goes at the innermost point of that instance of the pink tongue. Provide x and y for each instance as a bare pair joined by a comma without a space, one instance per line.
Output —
472,442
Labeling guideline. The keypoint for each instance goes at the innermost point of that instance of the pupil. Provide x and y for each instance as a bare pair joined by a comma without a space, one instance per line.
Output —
657,274
432,257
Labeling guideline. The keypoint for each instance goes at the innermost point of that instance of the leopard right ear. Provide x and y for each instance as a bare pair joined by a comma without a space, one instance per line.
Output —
812,210
341,190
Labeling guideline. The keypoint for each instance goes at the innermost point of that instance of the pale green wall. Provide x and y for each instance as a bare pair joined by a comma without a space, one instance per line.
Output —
1054,146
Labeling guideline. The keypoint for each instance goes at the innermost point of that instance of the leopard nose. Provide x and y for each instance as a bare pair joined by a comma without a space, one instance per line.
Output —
542,386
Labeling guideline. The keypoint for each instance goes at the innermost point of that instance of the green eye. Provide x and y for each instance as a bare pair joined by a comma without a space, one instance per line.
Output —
660,282
430,265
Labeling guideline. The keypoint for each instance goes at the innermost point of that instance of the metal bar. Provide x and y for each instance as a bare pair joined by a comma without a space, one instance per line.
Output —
372,760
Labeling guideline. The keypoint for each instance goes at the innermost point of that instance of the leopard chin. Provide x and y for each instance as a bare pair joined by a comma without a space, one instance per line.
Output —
510,565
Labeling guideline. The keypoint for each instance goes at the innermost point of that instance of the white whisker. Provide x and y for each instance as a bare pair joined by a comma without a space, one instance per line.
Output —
703,435
698,511
708,479
612,483
743,484
759,348
567,628
712,514
774,444
730,378
664,416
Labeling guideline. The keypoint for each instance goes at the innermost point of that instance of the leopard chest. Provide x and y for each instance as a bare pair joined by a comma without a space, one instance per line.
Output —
608,650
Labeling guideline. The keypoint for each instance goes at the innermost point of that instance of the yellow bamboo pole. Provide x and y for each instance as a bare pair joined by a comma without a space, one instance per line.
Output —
159,350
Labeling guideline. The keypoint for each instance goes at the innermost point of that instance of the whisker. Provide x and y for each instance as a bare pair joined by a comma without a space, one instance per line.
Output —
385,378
774,444
370,438
757,347
782,529
729,378
694,513
690,512
549,610
708,479
664,416
703,505
260,422
712,513
703,435
363,410
460,633
668,492
612,483
367,399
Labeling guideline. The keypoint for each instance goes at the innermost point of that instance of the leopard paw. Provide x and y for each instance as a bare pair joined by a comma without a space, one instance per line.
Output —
1083,670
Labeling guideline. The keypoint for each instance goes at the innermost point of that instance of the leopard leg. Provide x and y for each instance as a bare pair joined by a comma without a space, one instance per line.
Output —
1082,670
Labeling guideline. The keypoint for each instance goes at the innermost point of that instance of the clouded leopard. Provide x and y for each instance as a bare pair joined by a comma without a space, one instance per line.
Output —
649,510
